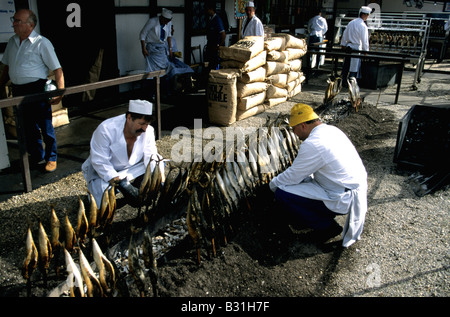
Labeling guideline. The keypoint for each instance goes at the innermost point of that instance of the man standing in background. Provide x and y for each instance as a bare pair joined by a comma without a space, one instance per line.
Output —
28,58
317,27
154,37
355,37
252,25
215,35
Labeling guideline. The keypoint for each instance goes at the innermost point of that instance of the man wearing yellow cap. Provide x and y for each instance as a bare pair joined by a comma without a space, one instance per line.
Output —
327,178
121,148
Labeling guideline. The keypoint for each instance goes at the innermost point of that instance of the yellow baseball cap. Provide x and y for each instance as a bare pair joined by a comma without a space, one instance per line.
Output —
301,113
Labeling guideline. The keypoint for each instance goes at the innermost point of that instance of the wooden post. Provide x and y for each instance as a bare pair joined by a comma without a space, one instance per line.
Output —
158,108
239,29
24,163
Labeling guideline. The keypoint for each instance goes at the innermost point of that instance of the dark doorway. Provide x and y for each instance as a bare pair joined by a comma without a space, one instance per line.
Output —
78,48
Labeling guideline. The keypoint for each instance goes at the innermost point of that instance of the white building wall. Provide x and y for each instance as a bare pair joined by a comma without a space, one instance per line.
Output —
129,54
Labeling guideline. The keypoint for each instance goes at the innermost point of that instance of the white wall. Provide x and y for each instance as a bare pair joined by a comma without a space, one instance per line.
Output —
129,54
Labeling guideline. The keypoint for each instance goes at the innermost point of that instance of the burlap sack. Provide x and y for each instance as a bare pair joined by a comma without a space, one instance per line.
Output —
275,92
297,89
244,114
244,89
276,68
222,96
244,49
274,43
279,80
252,64
293,75
295,65
291,85
274,101
295,53
257,75
292,41
278,56
251,101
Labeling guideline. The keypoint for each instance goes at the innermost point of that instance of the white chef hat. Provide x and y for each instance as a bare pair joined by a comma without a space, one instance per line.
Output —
141,107
365,10
250,4
166,13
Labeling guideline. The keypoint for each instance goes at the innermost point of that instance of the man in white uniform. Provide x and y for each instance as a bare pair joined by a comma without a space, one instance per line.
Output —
154,37
121,148
355,37
252,25
327,178
317,27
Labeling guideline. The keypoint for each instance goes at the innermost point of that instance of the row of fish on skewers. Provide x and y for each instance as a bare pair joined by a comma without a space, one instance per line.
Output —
67,238
395,41
267,151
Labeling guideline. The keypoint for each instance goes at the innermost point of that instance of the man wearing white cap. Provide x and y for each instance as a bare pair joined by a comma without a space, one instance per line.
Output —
252,25
121,148
356,37
155,36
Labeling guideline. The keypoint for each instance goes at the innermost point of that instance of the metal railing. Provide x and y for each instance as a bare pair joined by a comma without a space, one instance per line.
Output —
380,56
17,103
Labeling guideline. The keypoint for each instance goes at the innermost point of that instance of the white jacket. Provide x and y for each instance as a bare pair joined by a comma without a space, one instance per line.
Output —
356,35
253,28
151,31
108,157
317,26
328,168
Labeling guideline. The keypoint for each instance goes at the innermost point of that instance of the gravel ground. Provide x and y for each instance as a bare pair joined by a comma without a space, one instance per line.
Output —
404,251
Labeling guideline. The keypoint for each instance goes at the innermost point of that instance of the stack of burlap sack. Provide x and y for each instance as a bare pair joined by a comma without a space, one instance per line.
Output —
255,74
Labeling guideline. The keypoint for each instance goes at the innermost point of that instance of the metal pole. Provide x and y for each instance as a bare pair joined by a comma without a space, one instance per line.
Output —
399,81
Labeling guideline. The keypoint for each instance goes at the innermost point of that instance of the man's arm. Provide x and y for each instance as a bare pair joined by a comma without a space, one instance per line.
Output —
223,35
59,78
144,50
169,43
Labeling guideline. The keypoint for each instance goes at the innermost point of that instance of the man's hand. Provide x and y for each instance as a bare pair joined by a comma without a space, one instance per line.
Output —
145,52
144,49
55,100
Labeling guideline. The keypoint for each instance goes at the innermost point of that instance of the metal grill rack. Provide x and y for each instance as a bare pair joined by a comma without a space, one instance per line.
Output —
399,33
